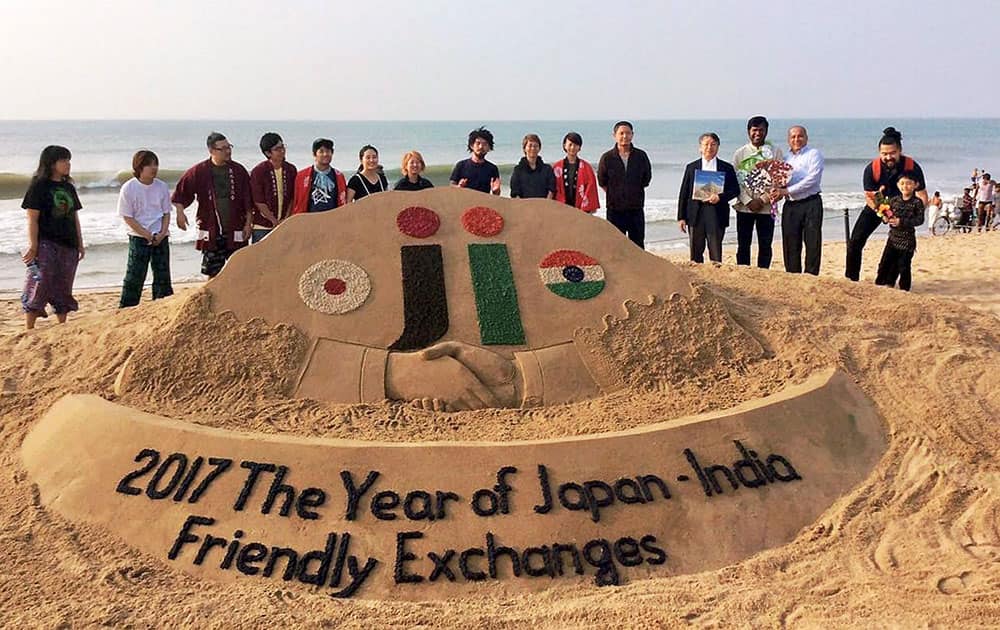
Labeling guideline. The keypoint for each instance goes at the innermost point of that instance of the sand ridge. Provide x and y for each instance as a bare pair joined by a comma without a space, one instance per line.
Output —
917,542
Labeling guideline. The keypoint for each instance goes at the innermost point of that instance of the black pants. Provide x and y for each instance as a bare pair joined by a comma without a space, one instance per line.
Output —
746,222
706,230
802,222
868,221
895,263
141,256
631,223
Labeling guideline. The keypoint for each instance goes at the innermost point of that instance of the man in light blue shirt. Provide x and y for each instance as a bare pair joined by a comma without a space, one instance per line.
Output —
802,216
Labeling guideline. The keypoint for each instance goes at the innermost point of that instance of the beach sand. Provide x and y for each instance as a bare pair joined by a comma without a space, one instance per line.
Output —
916,544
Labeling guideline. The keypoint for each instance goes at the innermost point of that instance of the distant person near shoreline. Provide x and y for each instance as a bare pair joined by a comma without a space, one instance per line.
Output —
369,179
576,181
272,184
880,177
476,172
55,240
412,166
144,206
320,187
984,201
802,216
754,214
532,178
624,172
224,218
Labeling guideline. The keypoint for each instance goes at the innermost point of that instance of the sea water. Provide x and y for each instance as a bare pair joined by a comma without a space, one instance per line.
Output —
947,149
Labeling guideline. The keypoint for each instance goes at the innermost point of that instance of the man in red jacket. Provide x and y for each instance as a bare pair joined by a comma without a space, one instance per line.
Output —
272,183
225,210
320,187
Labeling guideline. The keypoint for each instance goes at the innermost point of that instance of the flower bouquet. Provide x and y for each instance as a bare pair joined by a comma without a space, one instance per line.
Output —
882,207
767,176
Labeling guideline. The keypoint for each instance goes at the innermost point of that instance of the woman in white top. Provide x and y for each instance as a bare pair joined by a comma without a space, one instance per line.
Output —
144,205
369,179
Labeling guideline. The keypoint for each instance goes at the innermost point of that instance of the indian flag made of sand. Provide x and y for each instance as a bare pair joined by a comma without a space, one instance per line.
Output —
572,274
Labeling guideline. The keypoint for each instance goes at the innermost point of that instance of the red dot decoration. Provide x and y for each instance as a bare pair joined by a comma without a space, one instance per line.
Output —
482,221
334,286
418,222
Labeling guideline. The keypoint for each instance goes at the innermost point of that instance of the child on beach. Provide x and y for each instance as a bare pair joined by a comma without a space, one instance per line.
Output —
55,242
144,205
907,214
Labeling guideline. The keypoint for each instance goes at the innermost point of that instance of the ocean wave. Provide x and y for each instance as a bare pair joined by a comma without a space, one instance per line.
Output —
14,185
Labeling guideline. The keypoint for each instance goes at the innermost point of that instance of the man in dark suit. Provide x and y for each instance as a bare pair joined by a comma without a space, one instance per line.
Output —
706,221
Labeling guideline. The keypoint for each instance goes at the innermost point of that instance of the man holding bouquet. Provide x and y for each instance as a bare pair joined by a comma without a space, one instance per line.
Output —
754,212
802,216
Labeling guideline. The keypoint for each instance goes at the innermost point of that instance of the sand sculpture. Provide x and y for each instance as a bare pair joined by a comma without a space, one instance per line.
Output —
453,300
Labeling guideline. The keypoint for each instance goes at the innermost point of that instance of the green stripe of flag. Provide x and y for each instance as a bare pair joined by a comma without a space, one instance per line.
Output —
496,295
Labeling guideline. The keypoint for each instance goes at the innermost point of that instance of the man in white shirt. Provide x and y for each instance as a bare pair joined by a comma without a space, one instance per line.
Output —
802,216
705,219
144,205
754,214
984,200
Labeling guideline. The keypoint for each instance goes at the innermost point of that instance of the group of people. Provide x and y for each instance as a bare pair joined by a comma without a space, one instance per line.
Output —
236,207
895,194
979,201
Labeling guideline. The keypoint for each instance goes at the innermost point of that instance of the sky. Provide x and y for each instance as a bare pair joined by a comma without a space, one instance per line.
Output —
510,60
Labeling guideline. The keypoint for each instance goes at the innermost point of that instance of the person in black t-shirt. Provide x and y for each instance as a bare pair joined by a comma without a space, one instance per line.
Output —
369,179
476,172
890,164
55,241
412,166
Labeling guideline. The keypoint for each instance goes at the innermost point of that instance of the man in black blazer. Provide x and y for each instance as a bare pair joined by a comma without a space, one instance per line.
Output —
706,221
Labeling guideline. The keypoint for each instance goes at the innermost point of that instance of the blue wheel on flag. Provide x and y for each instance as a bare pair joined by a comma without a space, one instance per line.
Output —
572,274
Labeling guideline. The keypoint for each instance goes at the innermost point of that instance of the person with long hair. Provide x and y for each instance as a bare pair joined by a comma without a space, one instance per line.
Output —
576,181
55,241
369,178
144,205
412,167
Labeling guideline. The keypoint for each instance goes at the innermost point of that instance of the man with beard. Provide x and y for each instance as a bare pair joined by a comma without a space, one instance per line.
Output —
320,187
476,172
880,176
754,214
225,207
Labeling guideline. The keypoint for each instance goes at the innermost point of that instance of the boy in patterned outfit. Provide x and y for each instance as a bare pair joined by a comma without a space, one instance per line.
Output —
907,214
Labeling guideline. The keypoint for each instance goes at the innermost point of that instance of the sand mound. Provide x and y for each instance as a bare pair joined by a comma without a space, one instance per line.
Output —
918,541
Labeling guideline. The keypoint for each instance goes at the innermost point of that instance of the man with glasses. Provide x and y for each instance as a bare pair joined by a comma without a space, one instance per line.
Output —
272,184
225,209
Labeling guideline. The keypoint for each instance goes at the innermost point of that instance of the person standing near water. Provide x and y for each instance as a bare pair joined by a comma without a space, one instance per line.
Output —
272,183
369,179
224,217
55,241
754,214
532,178
412,167
476,172
320,187
144,205
880,176
802,216
623,173
576,181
